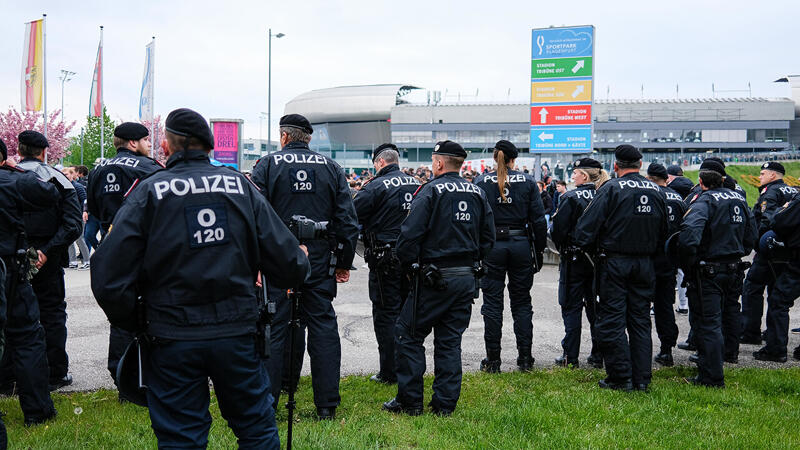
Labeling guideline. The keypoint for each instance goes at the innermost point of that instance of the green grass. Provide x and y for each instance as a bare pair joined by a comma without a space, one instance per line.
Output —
792,170
548,409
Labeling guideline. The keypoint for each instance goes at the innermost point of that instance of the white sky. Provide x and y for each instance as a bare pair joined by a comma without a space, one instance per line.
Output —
212,56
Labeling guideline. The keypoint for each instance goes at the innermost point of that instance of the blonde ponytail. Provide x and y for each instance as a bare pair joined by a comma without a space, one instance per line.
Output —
502,172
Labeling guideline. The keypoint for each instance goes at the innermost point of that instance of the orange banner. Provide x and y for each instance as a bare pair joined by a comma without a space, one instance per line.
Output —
32,67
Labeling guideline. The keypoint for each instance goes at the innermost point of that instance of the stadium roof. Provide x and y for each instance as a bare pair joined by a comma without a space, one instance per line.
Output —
349,103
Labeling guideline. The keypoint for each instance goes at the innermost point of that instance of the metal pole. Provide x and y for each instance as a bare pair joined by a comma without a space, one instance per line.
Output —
153,130
44,77
102,82
269,92
81,145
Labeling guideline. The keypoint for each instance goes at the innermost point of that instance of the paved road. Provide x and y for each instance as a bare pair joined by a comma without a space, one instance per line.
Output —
87,343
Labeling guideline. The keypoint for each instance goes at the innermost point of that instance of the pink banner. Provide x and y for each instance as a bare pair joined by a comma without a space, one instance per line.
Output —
226,143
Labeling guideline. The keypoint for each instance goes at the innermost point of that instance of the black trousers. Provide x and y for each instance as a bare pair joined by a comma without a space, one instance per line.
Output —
118,341
324,346
447,313
511,257
761,275
781,299
626,286
178,395
385,309
576,293
48,285
25,352
714,311
664,299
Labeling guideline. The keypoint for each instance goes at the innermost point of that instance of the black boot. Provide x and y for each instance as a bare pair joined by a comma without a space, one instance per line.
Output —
491,364
665,357
525,360
563,361
595,360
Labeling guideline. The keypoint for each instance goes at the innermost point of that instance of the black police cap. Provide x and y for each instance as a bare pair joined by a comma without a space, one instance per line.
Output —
774,165
712,165
449,148
185,122
33,139
627,153
3,149
381,148
675,170
131,131
509,150
657,170
297,121
587,163
717,159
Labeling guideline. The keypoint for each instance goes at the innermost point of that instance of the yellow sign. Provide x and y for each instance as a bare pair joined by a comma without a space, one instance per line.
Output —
561,91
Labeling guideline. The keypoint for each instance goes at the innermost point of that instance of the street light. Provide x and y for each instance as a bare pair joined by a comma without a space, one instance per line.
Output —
66,75
269,88
261,116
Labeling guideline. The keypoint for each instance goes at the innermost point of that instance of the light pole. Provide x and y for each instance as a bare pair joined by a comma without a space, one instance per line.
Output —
269,88
66,75
261,116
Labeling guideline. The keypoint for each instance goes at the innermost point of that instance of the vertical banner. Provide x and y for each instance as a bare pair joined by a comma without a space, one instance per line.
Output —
146,95
32,86
562,78
96,96
227,141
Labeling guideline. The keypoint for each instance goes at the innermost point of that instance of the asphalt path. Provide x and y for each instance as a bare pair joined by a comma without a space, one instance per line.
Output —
87,341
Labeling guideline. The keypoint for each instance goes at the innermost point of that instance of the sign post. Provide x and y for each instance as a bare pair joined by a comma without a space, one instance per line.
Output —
228,141
562,82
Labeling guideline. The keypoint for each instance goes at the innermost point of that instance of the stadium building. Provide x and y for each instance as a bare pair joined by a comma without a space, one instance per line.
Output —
350,121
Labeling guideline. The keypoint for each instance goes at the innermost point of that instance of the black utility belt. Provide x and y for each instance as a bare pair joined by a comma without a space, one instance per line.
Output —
503,233
608,254
457,271
713,267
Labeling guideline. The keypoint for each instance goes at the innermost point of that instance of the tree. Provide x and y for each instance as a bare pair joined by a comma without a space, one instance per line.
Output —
14,122
156,136
91,141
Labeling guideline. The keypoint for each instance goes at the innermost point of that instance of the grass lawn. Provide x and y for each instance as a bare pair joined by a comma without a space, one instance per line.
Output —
743,173
556,408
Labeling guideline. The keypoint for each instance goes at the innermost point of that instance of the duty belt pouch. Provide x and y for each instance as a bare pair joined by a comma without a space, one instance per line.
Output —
708,270
502,233
432,278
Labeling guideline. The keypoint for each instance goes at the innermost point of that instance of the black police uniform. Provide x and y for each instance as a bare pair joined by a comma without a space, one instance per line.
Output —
22,193
190,241
763,273
627,223
682,185
3,434
717,230
449,228
52,231
108,183
381,205
576,287
299,181
785,224
666,272
512,254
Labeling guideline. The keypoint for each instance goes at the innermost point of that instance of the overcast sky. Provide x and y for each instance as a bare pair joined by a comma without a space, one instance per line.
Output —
212,56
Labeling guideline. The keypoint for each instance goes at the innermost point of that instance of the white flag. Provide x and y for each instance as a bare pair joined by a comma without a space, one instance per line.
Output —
146,96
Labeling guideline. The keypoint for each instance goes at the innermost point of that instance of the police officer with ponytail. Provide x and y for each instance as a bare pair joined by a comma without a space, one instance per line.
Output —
518,214
576,287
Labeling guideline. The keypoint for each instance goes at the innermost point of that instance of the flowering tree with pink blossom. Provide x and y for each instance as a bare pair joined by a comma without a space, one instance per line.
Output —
157,135
14,122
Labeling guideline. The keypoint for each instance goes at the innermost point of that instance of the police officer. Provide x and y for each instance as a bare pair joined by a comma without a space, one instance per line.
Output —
449,229
51,232
381,205
716,232
666,271
299,181
782,243
108,184
773,194
576,286
207,232
22,192
677,182
728,182
521,234
626,223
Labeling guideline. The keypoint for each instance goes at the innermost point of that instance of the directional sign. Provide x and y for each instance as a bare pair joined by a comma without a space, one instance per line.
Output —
561,91
566,140
562,69
561,115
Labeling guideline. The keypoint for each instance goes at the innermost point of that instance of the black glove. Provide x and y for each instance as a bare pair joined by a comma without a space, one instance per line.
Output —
539,261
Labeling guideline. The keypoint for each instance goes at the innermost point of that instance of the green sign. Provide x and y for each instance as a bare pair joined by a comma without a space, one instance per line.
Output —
561,67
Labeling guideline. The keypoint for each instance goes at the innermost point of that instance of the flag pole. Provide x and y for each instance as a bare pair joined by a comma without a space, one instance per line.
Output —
102,82
153,101
44,76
